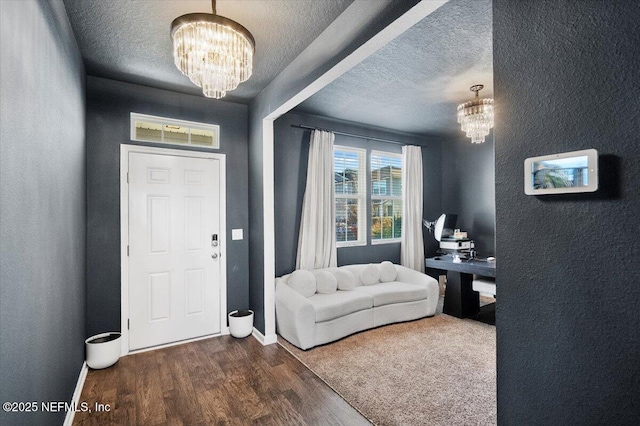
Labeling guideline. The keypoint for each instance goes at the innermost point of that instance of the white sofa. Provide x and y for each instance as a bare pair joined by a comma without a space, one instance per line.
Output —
321,316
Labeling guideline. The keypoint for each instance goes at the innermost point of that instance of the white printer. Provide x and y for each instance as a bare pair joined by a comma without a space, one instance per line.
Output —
451,239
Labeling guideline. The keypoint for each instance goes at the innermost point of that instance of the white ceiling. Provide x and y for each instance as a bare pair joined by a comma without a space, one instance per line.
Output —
413,84
129,40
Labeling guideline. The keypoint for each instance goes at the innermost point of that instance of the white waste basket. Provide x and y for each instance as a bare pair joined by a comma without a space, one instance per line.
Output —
103,350
241,323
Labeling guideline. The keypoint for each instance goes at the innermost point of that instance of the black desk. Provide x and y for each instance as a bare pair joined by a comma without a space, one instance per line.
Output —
459,299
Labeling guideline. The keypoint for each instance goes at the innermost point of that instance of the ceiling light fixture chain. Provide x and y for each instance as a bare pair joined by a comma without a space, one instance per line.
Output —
215,52
476,116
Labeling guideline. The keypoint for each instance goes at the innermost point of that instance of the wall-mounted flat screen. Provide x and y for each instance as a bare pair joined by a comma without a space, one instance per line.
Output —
561,173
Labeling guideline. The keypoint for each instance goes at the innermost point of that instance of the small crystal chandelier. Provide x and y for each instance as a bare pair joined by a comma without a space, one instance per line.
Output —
215,52
476,116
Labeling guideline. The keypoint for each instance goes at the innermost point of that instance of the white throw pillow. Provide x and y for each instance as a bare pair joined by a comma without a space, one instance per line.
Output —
303,281
326,282
388,272
370,275
346,280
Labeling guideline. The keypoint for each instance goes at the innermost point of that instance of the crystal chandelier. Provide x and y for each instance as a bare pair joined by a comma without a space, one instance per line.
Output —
476,116
215,52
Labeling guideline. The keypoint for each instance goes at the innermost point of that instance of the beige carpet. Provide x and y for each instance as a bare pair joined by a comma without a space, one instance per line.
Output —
433,371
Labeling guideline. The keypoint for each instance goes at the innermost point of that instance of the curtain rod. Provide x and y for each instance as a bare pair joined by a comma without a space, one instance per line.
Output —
302,126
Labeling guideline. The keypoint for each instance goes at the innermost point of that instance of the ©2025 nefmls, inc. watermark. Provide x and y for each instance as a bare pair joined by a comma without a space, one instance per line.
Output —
54,407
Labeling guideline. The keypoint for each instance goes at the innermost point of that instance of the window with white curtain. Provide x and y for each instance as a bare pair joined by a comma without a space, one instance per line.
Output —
350,195
386,197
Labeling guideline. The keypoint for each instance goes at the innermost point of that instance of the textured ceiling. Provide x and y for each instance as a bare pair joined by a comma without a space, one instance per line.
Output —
130,40
415,82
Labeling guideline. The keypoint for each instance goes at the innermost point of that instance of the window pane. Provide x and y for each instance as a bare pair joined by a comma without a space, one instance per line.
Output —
201,137
147,131
378,186
396,181
341,220
376,223
349,170
386,219
345,168
397,219
352,219
386,196
176,134
346,219
386,175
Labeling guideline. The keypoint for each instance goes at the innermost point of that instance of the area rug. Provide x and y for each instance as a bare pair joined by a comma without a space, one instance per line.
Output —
433,371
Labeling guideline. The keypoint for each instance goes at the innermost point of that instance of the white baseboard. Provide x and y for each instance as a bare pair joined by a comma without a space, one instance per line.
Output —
75,399
264,340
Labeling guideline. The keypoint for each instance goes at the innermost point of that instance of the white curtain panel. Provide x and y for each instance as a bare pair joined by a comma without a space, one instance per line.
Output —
317,239
412,247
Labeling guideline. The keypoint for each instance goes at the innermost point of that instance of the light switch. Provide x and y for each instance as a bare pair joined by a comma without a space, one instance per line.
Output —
236,234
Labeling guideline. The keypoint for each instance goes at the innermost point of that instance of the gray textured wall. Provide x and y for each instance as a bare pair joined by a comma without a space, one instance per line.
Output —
568,340
468,188
256,220
42,208
291,155
108,106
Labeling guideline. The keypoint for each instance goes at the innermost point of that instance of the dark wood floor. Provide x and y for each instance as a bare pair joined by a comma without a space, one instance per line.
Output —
215,381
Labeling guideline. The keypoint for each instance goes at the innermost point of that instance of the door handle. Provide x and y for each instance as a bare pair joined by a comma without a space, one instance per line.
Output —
214,256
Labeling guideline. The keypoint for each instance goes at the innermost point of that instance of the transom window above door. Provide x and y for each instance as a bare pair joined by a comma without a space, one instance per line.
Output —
149,128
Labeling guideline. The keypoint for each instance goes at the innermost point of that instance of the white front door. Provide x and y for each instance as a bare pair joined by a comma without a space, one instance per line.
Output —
174,248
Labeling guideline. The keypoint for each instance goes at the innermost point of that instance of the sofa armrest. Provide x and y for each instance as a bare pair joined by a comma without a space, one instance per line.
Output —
411,276
295,316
